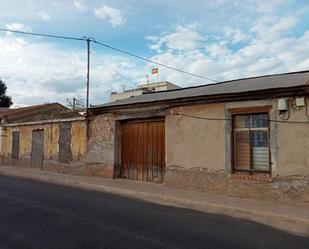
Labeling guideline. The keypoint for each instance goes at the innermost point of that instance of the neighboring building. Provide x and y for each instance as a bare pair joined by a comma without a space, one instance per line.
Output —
144,88
48,136
245,138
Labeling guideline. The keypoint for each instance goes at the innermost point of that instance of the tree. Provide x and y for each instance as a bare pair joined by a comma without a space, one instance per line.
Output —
77,103
5,101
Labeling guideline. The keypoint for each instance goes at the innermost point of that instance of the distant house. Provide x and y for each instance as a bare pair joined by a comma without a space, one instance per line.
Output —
141,89
246,138
48,136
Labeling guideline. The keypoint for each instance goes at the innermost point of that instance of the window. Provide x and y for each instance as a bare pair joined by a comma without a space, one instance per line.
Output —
251,143
15,144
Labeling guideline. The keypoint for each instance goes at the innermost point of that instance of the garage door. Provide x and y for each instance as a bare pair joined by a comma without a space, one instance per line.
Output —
143,151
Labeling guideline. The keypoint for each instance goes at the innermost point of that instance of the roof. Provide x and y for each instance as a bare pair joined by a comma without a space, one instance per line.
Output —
156,84
246,85
37,113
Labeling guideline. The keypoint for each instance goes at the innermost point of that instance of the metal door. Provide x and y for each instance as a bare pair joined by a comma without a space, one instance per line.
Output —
15,144
65,152
143,151
37,151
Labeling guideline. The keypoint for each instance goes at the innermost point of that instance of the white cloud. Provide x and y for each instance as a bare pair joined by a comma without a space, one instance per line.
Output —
44,16
272,27
242,45
184,37
112,15
235,35
38,72
80,5
18,26
268,49
268,6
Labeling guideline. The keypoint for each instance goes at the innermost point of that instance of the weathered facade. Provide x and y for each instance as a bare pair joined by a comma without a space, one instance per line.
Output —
232,138
49,137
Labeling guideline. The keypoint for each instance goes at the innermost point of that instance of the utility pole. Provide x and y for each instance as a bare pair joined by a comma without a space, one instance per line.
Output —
88,72
74,103
88,40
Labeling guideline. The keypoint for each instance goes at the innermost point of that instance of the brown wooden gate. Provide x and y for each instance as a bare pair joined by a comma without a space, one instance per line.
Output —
143,151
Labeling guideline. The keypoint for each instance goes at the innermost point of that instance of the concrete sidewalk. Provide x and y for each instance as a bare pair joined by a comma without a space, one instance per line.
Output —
288,218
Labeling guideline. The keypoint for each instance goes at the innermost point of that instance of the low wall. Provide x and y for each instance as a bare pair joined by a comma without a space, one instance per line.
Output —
288,190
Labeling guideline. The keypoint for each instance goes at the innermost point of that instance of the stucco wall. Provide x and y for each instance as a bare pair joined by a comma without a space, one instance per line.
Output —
195,143
51,146
99,157
195,148
198,154
293,145
289,182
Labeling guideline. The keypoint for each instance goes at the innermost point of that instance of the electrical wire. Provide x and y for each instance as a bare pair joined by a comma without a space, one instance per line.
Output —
110,47
229,119
154,62
114,70
44,35
198,117
144,59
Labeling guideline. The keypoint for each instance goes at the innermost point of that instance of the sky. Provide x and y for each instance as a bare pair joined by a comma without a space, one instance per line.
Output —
218,39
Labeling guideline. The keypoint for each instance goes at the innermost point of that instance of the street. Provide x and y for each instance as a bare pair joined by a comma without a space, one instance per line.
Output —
40,215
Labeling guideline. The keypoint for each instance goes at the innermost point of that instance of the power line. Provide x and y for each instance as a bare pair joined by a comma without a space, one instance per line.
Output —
44,35
154,62
114,70
229,119
198,117
110,47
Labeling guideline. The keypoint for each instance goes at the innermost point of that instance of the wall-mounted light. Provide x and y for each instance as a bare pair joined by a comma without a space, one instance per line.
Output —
282,106
283,109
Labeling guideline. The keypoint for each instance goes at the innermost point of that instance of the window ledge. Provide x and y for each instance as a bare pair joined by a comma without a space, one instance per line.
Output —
254,177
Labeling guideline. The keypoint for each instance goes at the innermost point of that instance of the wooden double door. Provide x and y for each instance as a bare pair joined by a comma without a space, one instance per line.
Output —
143,150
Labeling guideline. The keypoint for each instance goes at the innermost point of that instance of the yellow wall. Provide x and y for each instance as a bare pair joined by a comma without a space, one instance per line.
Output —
6,142
51,140
79,139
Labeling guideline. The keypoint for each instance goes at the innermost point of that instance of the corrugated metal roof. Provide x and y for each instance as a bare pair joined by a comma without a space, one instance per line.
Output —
275,81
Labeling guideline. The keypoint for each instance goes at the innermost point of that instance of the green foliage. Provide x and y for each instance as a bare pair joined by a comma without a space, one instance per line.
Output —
5,101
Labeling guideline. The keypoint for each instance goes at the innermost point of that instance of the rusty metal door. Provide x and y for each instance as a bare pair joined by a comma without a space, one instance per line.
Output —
15,144
143,151
37,149
65,152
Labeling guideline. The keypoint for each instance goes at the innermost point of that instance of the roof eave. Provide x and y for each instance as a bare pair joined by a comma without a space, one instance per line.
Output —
215,98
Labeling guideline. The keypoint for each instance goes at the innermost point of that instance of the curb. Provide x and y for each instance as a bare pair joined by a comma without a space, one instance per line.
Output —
295,225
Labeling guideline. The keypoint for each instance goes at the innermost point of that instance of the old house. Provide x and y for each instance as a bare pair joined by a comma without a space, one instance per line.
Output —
246,138
48,136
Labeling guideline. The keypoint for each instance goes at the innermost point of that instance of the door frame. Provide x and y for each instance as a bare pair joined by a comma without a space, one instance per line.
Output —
119,144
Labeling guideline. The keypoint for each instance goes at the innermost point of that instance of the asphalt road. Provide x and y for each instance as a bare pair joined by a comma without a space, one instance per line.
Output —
40,215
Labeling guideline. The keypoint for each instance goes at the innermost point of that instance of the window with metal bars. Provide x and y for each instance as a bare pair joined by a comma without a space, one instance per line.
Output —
251,143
